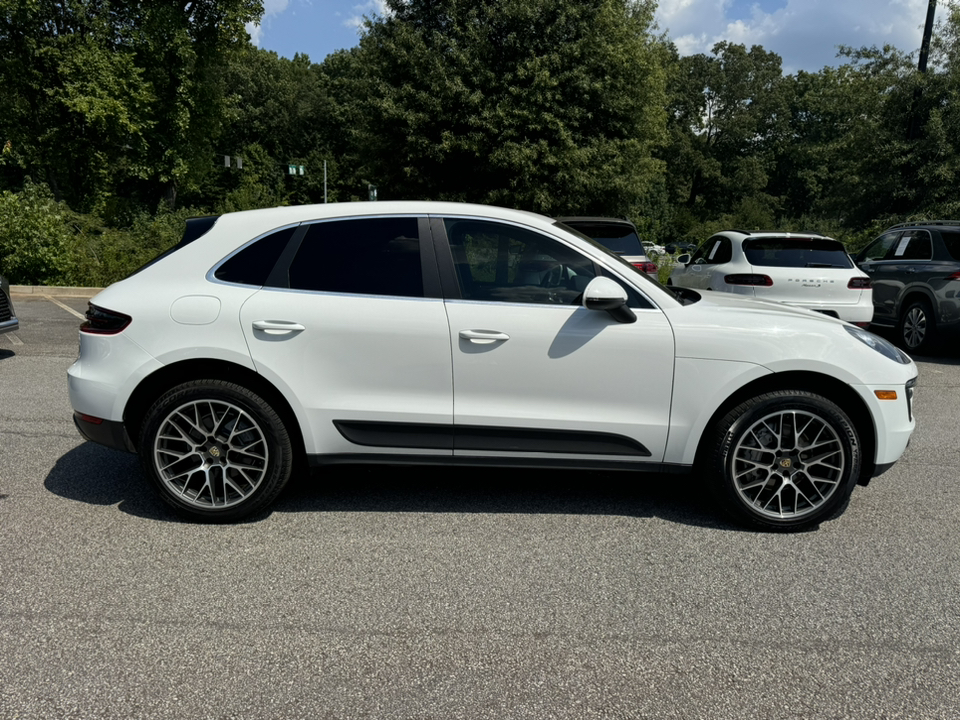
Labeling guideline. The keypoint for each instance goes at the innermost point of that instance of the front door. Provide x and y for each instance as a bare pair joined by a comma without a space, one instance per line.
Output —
537,375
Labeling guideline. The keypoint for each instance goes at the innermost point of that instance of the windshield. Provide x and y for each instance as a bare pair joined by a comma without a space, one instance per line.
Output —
796,252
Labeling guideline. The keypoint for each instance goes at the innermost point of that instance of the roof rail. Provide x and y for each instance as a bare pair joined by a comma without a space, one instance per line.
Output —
920,223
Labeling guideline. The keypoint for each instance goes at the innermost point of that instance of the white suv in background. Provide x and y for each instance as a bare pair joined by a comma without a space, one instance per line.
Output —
801,269
416,332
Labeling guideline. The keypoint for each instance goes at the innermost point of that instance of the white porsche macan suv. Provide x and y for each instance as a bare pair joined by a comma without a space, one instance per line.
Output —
416,332
801,269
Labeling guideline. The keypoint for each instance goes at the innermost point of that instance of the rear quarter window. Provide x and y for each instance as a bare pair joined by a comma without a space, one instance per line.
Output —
252,265
951,240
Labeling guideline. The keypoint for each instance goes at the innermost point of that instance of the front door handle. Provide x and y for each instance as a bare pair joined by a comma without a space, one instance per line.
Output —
274,327
483,337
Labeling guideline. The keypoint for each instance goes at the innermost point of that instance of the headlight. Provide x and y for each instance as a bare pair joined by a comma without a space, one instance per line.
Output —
879,344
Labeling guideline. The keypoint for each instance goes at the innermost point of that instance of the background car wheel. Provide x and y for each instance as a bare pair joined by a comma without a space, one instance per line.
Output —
785,460
917,328
216,451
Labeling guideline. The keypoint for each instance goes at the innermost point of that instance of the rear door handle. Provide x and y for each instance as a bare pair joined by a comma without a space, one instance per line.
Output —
483,337
275,327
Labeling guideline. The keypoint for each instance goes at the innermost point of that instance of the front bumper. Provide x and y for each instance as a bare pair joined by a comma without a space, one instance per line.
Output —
9,325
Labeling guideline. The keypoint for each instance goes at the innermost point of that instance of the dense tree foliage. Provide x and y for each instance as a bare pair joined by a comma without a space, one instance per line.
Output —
117,116
545,104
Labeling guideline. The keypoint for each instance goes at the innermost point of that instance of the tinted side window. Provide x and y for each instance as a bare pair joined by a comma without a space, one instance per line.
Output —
721,252
700,256
370,256
506,263
914,245
252,265
879,248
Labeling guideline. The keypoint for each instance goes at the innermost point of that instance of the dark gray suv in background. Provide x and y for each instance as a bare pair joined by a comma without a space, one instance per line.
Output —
915,269
8,318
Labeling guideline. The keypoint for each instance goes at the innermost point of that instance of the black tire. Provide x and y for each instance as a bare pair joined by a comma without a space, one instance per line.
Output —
760,465
215,451
917,328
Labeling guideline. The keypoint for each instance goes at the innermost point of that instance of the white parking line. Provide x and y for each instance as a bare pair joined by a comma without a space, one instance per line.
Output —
65,307
12,337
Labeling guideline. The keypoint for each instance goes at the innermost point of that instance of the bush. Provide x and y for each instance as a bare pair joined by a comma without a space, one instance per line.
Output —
33,236
43,242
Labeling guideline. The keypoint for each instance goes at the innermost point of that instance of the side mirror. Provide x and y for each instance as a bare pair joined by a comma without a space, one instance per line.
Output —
683,259
604,294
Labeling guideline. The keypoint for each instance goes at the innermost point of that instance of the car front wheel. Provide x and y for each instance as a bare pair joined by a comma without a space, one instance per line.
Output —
785,460
215,450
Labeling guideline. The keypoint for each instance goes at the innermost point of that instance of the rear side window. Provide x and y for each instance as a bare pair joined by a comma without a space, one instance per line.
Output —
252,265
913,245
951,239
796,252
368,256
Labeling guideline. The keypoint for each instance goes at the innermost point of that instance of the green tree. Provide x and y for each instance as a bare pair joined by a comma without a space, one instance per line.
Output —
729,120
549,105
115,98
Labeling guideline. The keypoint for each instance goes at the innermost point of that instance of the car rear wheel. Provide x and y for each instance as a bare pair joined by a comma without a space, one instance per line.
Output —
785,460
917,327
216,451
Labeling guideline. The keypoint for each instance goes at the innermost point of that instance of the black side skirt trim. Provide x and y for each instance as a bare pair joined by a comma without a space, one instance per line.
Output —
319,461
426,436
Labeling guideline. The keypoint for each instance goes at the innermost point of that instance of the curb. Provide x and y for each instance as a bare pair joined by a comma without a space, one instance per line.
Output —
60,291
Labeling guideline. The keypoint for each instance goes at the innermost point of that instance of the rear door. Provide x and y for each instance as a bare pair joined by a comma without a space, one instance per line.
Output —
351,327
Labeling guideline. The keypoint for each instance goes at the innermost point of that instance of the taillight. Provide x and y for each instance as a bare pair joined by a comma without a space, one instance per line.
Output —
749,279
646,267
101,321
859,283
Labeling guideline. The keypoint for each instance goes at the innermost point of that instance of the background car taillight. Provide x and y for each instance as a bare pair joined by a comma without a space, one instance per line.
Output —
646,267
101,321
859,283
749,279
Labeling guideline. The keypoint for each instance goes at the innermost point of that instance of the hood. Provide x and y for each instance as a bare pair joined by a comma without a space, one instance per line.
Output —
727,327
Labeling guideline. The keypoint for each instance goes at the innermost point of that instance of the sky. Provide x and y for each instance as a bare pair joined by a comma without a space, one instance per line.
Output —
804,33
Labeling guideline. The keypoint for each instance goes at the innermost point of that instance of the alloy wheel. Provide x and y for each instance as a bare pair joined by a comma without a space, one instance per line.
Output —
210,454
788,464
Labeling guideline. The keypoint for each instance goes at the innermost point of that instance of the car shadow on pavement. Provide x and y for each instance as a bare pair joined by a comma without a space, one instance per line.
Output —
431,489
4,354
97,475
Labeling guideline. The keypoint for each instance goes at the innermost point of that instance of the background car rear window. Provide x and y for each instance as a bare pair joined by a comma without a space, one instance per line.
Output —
252,265
796,252
369,256
618,238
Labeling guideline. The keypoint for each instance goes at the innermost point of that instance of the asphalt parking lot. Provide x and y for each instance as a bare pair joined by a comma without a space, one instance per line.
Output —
446,593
